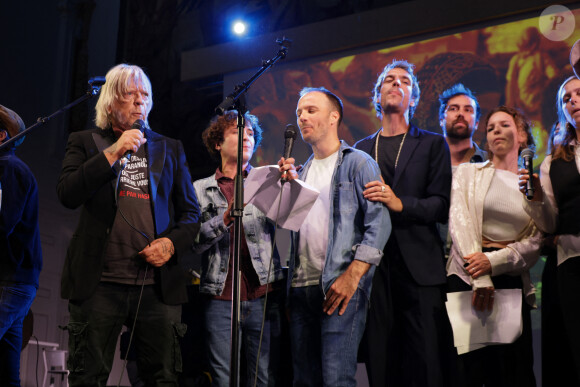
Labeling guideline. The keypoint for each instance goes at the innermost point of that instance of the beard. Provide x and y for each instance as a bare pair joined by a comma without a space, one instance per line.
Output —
459,132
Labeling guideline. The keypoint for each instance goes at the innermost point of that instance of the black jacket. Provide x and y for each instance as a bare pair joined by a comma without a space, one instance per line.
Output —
88,180
423,183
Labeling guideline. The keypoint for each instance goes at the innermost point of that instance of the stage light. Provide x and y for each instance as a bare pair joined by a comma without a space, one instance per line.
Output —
239,28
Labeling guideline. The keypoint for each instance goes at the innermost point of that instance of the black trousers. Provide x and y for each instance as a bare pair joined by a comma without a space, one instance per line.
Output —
95,325
502,365
568,281
408,339
557,360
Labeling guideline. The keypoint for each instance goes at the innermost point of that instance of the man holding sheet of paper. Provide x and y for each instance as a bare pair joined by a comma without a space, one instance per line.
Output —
215,195
335,252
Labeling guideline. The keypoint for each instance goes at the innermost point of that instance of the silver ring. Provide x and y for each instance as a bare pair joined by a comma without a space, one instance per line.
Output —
382,188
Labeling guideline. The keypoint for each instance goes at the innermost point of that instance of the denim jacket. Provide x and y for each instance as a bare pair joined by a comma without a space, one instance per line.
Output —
213,240
358,228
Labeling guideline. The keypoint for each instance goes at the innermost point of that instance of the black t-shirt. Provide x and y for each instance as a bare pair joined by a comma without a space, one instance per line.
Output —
122,265
387,151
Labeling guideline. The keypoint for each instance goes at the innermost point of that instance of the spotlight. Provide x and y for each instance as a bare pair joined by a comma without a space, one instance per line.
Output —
239,28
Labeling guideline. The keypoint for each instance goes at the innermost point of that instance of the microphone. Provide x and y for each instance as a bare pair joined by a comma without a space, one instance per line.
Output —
226,104
138,124
528,155
289,137
97,81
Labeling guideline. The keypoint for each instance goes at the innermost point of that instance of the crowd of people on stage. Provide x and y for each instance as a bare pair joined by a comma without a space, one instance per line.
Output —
406,224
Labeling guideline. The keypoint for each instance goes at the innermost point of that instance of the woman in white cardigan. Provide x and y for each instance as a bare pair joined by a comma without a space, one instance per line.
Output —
556,209
495,243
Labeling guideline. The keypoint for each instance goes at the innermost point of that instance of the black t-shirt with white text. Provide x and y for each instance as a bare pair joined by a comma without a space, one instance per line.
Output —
122,264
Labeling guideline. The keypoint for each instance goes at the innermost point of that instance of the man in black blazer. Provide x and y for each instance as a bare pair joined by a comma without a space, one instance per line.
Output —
408,333
138,215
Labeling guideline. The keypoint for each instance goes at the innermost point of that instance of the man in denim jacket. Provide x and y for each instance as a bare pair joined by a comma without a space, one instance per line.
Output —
256,259
334,255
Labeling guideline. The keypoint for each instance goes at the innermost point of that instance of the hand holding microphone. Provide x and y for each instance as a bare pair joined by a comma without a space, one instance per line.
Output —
527,156
528,180
286,163
128,143
131,140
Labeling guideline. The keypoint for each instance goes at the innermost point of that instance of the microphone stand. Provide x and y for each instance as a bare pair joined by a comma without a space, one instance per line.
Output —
236,100
94,89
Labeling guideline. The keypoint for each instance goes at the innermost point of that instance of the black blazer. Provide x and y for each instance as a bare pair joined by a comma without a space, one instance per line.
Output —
88,180
423,183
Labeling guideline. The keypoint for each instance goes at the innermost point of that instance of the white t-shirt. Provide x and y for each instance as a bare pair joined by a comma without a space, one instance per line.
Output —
504,218
313,235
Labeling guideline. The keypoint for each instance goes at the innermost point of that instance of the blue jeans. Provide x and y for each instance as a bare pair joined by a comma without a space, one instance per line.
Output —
324,348
218,339
95,325
15,301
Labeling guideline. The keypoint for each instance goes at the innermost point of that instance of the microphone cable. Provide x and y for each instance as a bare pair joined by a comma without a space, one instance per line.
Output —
268,287
289,136
144,235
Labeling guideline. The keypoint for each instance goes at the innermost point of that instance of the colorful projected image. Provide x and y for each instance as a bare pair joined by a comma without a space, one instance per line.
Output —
512,64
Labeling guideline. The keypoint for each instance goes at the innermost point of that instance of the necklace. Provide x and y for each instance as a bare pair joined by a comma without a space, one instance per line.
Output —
398,153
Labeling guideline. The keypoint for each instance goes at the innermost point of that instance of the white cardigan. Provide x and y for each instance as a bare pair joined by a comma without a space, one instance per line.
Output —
470,184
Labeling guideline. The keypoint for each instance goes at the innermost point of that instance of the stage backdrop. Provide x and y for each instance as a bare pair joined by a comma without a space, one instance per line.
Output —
511,63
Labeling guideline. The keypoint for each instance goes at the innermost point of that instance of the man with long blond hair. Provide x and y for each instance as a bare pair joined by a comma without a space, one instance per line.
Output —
139,214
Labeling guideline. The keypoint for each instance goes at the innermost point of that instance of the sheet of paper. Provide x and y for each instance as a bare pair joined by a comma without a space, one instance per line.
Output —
473,329
262,189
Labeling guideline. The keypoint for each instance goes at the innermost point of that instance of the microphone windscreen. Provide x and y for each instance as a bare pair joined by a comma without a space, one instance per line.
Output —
97,81
139,124
290,132
527,153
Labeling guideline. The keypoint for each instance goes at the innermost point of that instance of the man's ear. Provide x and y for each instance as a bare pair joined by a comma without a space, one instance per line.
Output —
3,135
334,114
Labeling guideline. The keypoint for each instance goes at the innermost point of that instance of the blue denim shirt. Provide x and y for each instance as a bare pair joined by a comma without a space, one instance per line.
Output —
358,228
213,241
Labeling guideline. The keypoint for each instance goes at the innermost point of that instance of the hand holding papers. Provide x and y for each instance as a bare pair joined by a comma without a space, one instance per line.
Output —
262,189
473,330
